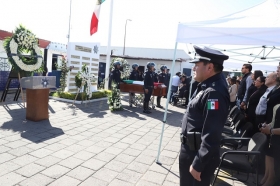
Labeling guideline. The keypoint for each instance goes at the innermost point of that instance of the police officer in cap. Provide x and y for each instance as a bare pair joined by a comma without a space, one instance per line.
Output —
204,120
162,78
115,74
136,76
149,77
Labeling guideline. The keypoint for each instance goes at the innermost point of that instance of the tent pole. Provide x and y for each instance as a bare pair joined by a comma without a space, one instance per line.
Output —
167,102
191,82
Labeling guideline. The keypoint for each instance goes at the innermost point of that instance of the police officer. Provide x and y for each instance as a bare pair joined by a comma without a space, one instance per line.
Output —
204,120
136,76
149,77
155,74
167,81
162,78
115,74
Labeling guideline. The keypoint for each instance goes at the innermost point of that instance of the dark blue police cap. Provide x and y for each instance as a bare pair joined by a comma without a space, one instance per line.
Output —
209,55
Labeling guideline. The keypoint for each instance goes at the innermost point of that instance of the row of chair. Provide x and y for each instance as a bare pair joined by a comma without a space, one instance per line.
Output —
239,152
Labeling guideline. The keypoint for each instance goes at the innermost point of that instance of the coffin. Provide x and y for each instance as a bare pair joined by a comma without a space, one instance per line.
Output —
139,89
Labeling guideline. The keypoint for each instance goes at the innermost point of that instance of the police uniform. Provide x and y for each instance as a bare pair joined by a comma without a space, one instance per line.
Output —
168,76
155,75
115,76
162,78
203,123
149,77
134,75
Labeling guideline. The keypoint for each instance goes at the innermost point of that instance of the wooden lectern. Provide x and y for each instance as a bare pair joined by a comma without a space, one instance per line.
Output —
37,96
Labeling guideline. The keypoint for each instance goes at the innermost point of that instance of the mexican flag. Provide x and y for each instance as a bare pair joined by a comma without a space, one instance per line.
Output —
95,17
213,104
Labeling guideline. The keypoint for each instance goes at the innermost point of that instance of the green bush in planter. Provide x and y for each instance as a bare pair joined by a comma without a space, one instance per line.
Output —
81,96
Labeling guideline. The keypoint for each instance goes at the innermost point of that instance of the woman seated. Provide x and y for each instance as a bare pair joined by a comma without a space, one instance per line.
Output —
183,90
253,102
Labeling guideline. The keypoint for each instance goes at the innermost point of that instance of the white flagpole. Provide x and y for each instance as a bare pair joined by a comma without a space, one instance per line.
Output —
108,55
69,22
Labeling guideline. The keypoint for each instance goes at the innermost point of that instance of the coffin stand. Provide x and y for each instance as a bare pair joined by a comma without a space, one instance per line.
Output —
37,96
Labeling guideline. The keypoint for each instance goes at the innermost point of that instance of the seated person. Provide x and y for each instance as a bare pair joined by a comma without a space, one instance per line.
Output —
183,90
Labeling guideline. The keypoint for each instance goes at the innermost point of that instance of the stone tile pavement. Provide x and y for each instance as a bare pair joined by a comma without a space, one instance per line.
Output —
88,145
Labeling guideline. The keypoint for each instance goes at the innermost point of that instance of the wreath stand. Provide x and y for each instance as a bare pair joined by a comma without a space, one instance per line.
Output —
76,96
78,92
22,94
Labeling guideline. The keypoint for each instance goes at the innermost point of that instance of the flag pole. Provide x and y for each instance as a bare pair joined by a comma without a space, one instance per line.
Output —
69,21
108,55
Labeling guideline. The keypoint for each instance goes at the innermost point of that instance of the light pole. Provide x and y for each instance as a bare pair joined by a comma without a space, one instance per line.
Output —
125,35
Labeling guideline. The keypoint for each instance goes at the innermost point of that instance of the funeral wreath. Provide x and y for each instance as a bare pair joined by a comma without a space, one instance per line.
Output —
23,51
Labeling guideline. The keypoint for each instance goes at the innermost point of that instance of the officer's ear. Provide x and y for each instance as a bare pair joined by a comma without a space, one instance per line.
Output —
210,66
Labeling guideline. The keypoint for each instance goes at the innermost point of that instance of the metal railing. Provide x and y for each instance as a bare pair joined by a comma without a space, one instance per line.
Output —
4,64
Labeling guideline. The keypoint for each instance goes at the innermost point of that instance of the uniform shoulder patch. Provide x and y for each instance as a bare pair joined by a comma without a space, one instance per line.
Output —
212,104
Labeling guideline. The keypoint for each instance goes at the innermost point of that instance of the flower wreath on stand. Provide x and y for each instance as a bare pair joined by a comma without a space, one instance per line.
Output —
23,51
64,73
83,81
114,100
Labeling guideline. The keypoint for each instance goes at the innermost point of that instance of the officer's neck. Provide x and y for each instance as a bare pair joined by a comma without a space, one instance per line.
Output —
207,76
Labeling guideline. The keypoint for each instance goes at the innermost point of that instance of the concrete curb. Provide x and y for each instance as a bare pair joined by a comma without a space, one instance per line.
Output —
78,102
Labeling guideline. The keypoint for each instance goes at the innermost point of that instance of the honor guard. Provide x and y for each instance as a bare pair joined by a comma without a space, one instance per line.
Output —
155,74
149,77
204,120
115,74
162,78
136,76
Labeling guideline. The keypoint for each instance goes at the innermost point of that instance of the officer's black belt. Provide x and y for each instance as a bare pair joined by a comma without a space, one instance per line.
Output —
193,140
149,86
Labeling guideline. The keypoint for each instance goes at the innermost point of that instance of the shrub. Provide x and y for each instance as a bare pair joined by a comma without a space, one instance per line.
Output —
67,95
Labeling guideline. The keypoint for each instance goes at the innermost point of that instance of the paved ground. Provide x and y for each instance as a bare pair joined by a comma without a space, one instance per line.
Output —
88,145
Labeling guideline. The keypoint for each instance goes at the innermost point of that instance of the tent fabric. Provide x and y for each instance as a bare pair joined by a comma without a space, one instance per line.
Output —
259,25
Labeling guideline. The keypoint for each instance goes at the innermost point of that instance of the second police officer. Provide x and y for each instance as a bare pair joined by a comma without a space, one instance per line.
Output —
204,120
136,76
115,75
162,78
149,78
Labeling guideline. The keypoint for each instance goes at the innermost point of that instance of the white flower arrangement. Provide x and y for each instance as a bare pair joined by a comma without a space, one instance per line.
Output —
87,78
18,61
25,41
83,80
114,100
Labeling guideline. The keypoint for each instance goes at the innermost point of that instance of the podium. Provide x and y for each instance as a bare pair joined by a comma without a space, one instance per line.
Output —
37,96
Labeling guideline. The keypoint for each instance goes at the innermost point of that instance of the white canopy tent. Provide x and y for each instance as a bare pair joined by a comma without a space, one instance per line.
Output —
256,29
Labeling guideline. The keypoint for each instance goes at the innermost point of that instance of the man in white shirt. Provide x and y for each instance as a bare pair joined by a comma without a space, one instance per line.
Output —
175,83
270,82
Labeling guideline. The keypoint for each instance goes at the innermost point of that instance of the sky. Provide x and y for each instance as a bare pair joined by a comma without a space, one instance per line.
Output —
154,22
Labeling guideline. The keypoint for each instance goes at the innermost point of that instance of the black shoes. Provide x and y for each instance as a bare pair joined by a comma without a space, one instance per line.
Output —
147,111
146,108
